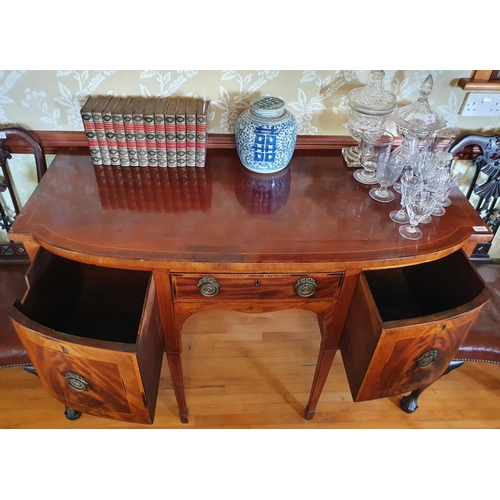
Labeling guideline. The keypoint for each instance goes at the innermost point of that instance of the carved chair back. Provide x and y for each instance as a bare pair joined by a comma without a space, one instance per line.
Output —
15,250
13,256
486,187
483,341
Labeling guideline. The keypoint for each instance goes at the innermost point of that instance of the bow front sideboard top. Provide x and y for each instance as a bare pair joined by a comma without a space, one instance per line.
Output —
122,256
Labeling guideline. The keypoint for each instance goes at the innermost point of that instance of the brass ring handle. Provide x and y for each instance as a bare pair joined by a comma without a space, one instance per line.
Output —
208,286
427,358
76,382
305,287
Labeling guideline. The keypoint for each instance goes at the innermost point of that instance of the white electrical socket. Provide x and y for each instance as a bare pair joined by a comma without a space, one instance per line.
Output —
481,104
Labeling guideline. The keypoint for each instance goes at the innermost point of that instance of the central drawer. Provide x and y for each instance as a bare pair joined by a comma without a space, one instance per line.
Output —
283,287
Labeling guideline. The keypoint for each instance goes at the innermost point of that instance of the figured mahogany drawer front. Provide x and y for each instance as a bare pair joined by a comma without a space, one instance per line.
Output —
191,287
403,359
94,336
405,325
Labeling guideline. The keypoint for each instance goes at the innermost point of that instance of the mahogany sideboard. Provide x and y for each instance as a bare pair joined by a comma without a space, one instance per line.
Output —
121,257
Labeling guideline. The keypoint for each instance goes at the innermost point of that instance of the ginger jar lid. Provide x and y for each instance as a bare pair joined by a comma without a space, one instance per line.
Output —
268,106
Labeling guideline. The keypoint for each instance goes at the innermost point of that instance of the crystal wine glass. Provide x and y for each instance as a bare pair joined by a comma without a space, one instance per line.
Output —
408,181
376,145
357,123
388,172
427,165
408,152
441,186
419,203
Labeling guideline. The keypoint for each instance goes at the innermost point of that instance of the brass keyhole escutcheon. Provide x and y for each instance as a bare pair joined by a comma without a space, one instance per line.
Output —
427,358
208,286
305,287
76,382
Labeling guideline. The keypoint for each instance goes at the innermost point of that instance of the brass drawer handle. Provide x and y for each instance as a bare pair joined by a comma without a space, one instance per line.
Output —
76,382
427,358
208,286
305,287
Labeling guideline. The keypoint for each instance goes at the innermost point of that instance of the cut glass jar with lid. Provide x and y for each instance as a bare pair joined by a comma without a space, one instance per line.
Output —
368,108
417,123
419,117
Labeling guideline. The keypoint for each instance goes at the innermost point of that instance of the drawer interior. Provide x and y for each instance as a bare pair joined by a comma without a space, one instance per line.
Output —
86,300
424,289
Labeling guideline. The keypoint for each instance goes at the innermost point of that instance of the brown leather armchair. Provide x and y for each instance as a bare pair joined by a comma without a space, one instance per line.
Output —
13,258
483,340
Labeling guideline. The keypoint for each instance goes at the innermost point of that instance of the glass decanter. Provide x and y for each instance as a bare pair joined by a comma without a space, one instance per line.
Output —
368,107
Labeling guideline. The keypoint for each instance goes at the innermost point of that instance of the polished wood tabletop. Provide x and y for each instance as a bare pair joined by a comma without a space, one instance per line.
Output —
257,234
312,213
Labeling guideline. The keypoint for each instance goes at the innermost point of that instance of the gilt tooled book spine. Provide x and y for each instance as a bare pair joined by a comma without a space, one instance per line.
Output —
161,144
180,131
89,128
107,120
99,129
170,133
140,132
201,132
191,109
149,129
119,128
128,123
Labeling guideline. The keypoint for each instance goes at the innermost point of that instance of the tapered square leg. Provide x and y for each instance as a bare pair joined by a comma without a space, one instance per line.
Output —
174,364
323,365
309,414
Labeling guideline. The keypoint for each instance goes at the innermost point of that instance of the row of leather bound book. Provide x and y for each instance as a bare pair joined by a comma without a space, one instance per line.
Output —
146,131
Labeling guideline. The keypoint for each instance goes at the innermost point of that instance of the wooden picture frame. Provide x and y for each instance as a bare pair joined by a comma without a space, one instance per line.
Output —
482,80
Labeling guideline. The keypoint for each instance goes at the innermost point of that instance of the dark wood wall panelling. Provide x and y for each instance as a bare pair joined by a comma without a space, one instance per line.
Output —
53,141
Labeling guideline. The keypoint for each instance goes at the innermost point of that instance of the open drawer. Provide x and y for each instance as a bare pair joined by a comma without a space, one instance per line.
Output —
405,325
94,336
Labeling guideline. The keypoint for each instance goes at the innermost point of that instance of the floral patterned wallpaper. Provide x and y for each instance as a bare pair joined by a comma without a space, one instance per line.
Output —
51,100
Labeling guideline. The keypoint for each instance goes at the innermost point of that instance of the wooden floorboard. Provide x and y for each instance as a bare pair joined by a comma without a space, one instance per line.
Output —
254,372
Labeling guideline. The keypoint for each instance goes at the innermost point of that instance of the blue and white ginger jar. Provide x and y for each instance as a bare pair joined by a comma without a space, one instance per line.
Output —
266,134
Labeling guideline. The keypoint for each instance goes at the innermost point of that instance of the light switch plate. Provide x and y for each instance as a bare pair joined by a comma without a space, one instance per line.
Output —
481,104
